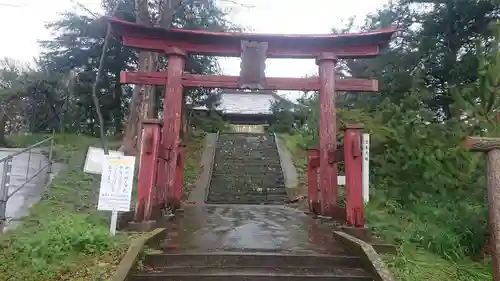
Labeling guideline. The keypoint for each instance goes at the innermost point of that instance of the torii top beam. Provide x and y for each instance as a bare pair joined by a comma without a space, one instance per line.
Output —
351,45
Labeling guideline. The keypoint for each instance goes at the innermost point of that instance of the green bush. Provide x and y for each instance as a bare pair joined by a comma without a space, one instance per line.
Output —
427,190
43,254
64,237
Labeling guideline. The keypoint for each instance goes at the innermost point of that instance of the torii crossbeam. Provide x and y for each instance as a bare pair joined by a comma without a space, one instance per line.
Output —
160,181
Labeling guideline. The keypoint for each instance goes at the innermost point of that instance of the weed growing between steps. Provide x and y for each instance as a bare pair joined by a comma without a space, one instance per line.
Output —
427,249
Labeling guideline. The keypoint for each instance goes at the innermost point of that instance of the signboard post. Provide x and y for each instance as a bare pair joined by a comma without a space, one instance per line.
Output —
115,193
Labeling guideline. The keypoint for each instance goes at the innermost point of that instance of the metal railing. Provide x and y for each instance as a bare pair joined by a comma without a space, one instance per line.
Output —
23,177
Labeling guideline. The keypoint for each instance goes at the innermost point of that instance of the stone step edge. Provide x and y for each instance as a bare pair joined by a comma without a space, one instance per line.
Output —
228,273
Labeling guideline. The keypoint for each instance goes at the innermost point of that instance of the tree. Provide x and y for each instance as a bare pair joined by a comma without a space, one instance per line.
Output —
438,43
76,48
12,93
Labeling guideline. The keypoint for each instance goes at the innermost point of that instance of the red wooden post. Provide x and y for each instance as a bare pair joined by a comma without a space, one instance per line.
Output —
327,133
312,179
172,116
161,194
353,162
150,140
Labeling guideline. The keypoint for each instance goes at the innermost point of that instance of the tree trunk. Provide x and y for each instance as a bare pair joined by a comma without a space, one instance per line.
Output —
168,8
118,115
167,12
143,97
117,97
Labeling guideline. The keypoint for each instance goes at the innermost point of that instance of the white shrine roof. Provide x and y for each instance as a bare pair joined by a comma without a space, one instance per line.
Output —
249,103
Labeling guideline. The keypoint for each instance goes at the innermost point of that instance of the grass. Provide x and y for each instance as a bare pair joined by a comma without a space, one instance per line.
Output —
65,237
418,235
299,158
194,147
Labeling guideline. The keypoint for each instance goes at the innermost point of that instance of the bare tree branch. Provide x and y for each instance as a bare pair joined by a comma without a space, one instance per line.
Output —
239,4
81,6
95,87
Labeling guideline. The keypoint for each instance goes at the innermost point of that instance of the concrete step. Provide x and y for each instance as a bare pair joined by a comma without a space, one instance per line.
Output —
274,164
248,197
246,139
248,152
247,188
248,182
253,176
240,194
264,160
239,259
262,203
249,162
248,159
246,149
242,183
254,163
254,274
243,190
246,143
274,191
244,187
248,174
244,135
246,200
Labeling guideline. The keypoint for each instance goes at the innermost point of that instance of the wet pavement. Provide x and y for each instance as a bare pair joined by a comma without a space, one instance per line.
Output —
247,228
25,166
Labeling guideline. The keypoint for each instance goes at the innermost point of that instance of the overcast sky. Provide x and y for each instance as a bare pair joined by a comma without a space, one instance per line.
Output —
22,24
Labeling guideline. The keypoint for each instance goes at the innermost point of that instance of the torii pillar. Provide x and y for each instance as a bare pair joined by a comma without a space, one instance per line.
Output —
171,145
327,133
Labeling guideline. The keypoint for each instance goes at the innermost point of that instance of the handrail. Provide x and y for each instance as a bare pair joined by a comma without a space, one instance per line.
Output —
5,177
10,156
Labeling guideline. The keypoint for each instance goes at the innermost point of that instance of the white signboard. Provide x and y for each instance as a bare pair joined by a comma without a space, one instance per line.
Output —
94,159
366,167
116,183
340,180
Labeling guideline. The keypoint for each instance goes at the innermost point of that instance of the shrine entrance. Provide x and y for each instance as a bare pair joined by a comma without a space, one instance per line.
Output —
161,149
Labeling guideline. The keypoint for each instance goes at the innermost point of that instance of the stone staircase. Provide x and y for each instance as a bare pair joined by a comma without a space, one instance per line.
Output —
246,170
225,266
248,242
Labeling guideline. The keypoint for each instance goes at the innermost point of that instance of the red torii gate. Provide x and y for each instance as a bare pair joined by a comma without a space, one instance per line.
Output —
161,158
